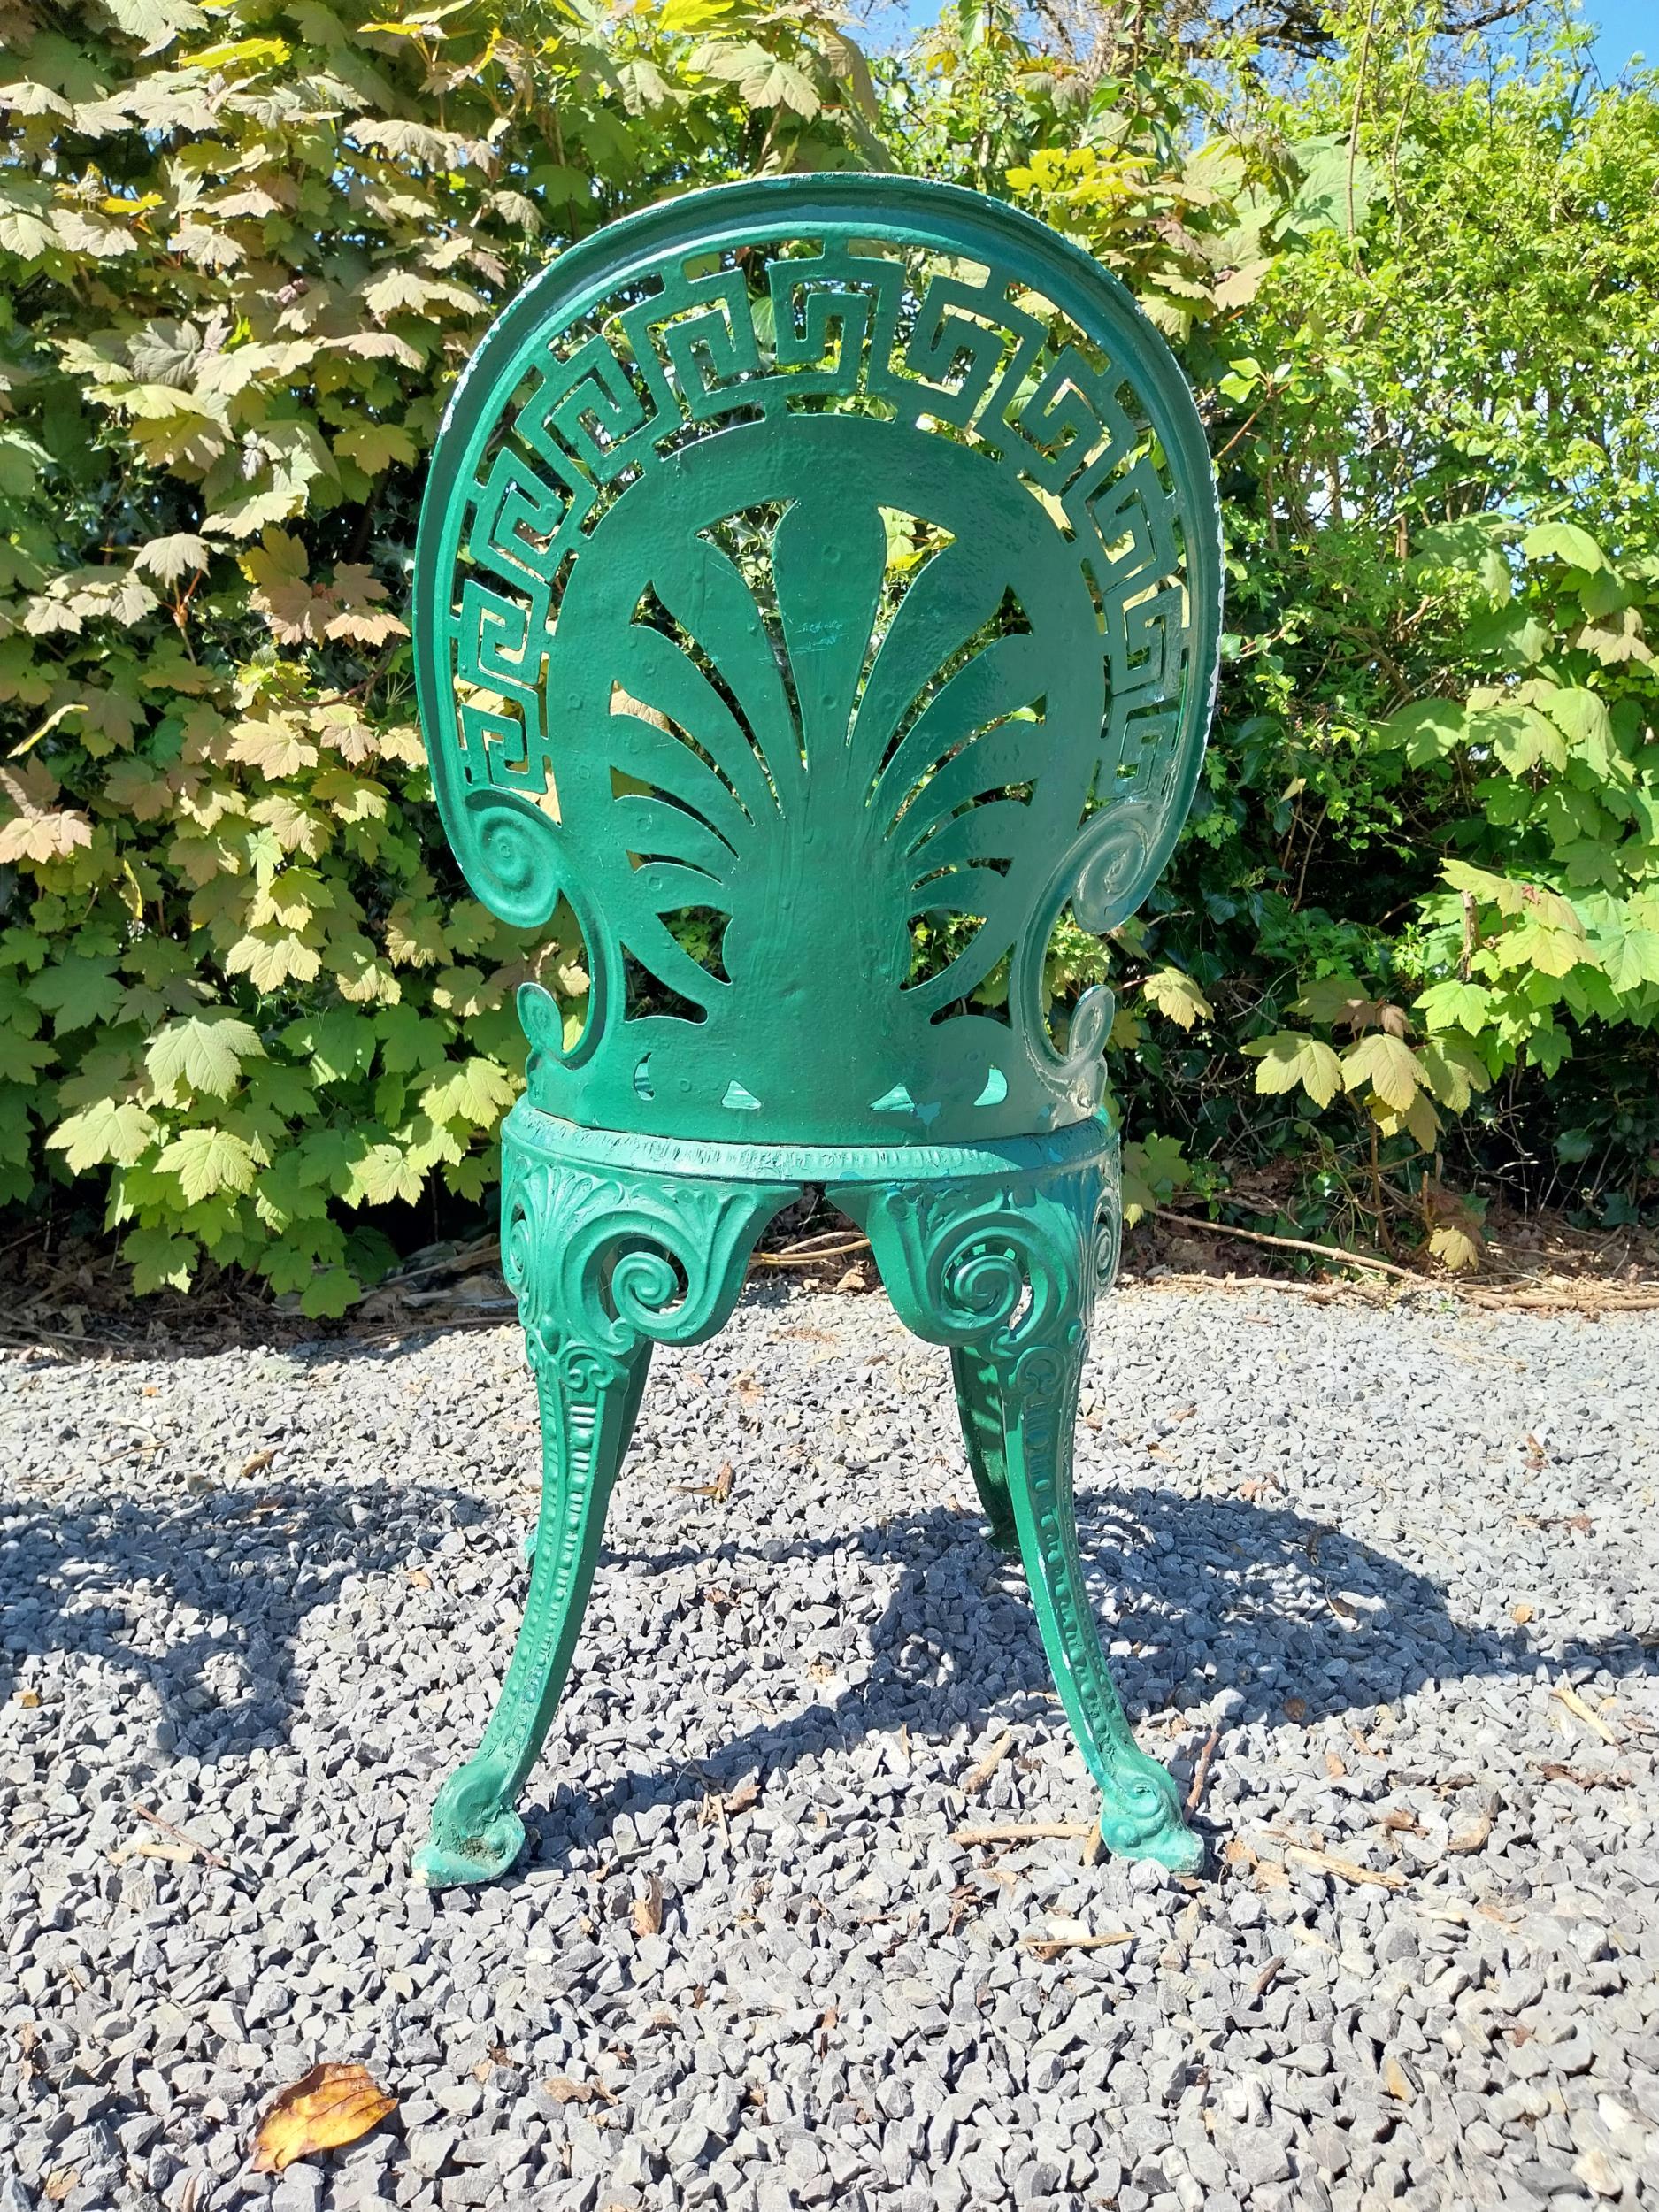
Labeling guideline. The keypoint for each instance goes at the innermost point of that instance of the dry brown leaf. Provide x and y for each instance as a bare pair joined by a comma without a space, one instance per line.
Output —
1552,1771
1396,2081
563,2090
743,1797
853,1279
28,1699
1333,1766
1400,1817
329,2107
419,1575
1520,1615
1472,1837
645,1913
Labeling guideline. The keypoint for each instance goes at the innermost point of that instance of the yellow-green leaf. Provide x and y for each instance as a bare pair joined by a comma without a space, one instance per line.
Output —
1177,995
108,1130
1387,1066
209,1160
1289,1060
204,1051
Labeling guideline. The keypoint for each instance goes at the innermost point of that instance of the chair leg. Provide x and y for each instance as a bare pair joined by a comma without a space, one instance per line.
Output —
984,1441
604,1263
1007,1276
588,1399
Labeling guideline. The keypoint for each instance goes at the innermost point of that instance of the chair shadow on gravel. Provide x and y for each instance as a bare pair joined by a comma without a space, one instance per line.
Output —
1285,1606
252,1564
1208,1594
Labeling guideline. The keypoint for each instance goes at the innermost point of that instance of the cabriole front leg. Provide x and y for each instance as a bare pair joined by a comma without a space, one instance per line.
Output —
588,1398
605,1261
1007,1275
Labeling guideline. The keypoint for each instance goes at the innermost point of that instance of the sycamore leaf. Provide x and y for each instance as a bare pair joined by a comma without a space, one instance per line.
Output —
1453,1071
1288,1060
413,939
109,1131
331,2105
1178,996
331,1292
1563,542
375,446
383,1174
209,1160
1336,998
1539,944
155,23
273,745
38,831
1615,638
1456,1244
160,1260
27,235
205,1050
1454,1005
477,1090
1153,1170
1633,959
80,993
1429,729
272,956
1387,1066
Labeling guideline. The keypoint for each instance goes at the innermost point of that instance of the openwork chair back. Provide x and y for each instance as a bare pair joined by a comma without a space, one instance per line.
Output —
817,597
818,592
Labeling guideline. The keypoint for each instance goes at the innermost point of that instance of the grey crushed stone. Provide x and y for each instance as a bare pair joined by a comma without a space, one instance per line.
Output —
1362,1548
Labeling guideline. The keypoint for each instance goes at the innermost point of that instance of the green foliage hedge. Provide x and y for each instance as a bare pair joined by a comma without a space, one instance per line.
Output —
1410,945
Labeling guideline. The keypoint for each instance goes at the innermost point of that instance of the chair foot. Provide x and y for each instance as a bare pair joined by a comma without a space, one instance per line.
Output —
1142,1817
474,1836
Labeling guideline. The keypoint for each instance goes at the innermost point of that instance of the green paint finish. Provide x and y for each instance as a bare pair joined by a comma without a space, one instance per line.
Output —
819,590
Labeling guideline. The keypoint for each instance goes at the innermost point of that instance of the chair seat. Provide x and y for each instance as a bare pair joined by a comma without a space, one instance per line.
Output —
546,1137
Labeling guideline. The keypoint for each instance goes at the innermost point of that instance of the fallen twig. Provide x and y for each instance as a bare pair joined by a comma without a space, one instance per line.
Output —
1049,1947
1295,1244
981,1774
795,1256
1201,1771
178,1836
1267,1976
1587,1714
1343,1869
1028,1832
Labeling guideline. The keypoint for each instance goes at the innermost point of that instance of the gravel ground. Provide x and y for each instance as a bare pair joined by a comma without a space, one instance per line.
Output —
267,1596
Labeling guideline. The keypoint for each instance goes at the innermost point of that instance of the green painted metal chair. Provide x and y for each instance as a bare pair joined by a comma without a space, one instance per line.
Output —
818,595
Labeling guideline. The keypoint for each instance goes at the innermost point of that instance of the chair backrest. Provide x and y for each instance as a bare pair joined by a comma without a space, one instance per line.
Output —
819,591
